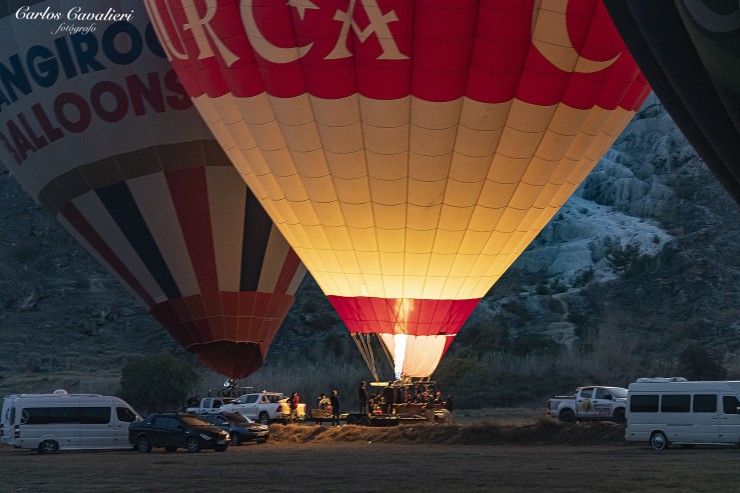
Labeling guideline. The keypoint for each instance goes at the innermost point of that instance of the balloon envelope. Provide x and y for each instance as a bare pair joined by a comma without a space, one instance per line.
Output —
408,151
690,53
98,129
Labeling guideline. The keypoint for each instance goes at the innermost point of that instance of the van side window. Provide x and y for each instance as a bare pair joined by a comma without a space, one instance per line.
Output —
49,415
125,415
730,404
671,403
705,403
95,415
644,403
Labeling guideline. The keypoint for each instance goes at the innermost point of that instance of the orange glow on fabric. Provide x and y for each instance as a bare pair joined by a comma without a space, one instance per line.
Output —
408,151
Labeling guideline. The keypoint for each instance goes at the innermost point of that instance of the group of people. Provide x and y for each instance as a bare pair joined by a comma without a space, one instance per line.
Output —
383,402
330,403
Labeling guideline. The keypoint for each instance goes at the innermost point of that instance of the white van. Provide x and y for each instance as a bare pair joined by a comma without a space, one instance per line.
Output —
62,421
672,410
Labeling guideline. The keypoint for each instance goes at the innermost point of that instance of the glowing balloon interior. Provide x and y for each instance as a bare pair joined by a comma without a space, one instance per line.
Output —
98,129
408,151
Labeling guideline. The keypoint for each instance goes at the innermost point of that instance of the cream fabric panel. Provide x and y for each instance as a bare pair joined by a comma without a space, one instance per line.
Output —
97,215
441,199
422,353
226,199
152,196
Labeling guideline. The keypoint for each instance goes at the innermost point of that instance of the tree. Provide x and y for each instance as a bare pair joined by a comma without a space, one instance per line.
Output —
157,382
626,260
696,363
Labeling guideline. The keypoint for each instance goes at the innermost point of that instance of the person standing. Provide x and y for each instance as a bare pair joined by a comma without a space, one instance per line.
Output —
450,407
294,400
362,395
388,395
324,407
334,399
429,411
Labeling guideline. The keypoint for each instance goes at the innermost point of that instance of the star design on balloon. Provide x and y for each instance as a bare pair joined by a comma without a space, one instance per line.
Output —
301,6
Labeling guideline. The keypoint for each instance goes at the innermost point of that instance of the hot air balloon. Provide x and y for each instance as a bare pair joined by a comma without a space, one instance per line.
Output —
408,150
95,126
689,51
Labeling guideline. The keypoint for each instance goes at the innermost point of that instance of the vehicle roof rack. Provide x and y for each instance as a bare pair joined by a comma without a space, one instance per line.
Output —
661,379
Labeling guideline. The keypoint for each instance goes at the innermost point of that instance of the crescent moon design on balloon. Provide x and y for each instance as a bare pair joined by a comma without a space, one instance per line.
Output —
261,45
550,37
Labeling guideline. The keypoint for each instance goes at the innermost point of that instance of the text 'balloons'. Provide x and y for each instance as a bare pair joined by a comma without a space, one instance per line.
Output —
96,127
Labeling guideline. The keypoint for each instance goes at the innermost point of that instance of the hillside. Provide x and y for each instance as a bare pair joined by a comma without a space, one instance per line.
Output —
640,264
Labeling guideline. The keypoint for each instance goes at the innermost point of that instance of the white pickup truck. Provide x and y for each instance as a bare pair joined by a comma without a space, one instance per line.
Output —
264,407
594,403
209,405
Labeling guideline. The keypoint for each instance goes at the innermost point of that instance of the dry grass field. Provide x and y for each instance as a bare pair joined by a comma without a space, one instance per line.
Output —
494,455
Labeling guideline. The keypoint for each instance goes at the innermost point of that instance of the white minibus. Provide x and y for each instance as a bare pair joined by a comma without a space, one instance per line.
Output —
665,411
63,421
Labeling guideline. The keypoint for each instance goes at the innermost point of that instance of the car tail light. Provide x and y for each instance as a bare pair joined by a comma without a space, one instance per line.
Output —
279,408
1,430
17,431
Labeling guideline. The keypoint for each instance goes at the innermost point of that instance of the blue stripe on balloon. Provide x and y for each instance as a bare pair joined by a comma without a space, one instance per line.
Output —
121,205
257,227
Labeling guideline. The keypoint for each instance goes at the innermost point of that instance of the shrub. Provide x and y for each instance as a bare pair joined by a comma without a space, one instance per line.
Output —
626,260
584,277
524,344
696,363
157,382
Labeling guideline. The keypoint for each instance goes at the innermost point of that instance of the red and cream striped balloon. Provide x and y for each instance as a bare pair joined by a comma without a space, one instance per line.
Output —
97,128
408,150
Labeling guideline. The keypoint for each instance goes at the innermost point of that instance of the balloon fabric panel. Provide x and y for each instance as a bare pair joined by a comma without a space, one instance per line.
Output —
97,128
408,151
690,54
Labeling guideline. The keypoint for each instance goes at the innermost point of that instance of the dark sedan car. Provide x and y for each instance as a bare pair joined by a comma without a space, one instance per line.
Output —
240,428
176,430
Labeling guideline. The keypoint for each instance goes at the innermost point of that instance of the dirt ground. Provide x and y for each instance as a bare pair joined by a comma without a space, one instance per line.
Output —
328,464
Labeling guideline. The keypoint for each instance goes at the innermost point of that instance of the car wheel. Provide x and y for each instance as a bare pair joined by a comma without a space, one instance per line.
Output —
236,439
170,448
619,416
48,447
193,445
222,448
264,418
143,444
659,441
262,440
567,416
